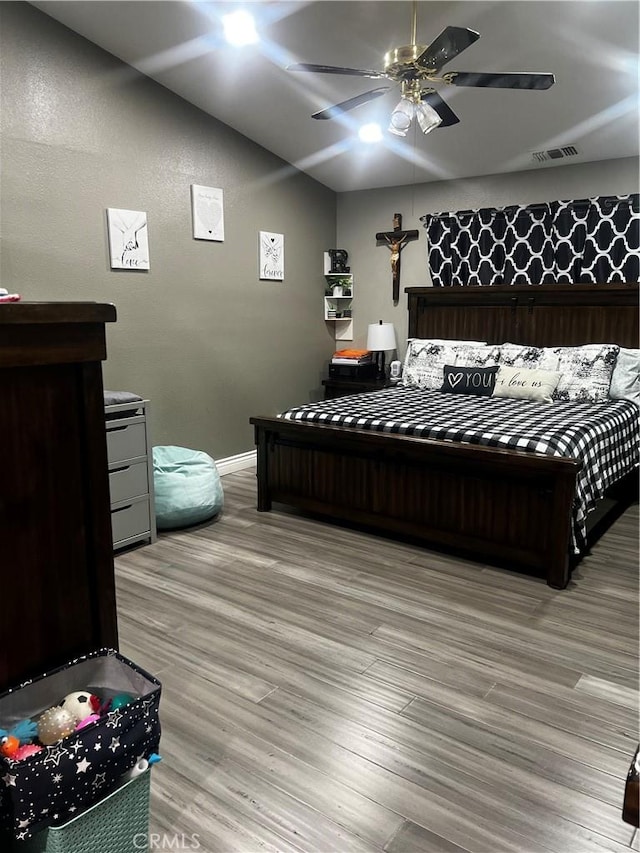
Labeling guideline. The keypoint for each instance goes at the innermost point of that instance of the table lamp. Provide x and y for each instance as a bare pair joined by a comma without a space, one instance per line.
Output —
380,338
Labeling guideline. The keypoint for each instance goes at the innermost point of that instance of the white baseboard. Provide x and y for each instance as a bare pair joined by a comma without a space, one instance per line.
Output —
236,463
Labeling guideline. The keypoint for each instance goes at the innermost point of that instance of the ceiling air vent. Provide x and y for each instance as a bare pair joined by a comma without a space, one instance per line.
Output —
555,153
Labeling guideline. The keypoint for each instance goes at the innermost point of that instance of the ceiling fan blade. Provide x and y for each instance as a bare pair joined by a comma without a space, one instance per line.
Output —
450,42
502,81
441,107
333,69
351,103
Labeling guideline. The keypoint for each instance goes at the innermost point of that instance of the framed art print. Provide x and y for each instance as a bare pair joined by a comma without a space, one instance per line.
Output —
128,239
271,248
207,212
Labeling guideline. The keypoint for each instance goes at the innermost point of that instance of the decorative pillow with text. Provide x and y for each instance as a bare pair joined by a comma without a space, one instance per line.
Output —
521,383
469,380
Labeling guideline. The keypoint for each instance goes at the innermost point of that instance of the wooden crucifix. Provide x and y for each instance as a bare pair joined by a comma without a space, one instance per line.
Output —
396,240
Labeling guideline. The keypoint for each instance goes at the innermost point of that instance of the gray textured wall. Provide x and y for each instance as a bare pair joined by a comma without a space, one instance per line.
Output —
362,214
198,333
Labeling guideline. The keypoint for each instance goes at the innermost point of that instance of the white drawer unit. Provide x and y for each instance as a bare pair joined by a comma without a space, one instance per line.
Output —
130,459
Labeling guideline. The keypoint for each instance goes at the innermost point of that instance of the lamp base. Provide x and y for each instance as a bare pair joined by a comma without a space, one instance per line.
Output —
379,359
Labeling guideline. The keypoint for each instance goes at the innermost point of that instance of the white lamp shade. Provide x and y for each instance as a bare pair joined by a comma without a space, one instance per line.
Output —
381,337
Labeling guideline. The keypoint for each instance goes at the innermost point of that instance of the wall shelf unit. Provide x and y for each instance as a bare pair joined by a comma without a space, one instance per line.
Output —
338,304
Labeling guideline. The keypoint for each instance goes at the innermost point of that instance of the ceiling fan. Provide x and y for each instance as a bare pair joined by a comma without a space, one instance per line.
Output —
416,67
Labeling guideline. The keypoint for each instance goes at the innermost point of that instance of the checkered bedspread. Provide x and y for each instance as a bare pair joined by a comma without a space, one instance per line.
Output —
603,436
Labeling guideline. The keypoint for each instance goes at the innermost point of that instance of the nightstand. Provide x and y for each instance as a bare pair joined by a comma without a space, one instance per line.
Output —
342,387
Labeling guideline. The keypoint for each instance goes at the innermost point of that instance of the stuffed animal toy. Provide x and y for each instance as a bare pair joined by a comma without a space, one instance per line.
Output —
80,705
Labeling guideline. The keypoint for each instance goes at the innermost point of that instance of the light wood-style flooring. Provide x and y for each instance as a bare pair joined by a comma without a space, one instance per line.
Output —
326,689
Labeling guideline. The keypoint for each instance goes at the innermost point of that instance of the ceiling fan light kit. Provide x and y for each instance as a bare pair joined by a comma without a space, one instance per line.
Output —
416,67
406,111
428,118
401,117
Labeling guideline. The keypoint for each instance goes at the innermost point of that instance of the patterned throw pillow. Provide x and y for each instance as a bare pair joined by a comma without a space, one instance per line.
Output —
477,356
532,358
586,372
522,383
479,381
424,363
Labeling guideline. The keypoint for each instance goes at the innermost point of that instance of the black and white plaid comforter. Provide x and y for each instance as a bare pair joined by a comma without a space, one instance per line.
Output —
603,436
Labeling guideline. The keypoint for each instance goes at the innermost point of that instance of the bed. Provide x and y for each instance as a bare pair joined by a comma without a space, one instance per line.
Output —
500,503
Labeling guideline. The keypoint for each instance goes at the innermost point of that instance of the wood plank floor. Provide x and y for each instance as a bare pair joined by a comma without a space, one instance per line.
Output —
327,690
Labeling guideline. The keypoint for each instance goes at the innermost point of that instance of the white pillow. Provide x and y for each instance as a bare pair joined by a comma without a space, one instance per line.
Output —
586,372
522,383
625,380
533,358
424,364
477,356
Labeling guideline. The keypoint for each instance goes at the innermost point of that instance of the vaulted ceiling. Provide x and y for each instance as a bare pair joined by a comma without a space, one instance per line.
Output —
591,46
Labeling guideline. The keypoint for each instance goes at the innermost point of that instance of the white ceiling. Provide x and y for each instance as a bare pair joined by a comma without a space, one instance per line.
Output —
590,45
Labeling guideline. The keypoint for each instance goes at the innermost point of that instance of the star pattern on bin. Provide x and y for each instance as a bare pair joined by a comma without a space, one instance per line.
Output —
70,776
114,719
55,755
83,765
99,781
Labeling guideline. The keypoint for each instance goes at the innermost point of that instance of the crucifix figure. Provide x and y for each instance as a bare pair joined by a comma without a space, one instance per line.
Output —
396,240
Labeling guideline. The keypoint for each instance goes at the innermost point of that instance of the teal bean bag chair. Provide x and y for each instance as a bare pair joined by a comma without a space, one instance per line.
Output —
187,487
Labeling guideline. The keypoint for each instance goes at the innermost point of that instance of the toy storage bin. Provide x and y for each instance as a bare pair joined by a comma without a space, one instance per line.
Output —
117,824
73,774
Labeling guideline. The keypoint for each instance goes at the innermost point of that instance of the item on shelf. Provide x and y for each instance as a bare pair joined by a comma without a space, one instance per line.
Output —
352,370
335,261
352,356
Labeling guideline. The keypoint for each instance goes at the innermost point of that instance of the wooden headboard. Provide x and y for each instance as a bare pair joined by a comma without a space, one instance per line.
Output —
538,315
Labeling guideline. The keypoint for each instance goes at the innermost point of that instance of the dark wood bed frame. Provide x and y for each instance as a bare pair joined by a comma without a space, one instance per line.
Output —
496,504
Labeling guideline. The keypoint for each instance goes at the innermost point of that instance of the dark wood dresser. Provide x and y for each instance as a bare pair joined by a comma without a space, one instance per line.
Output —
57,595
